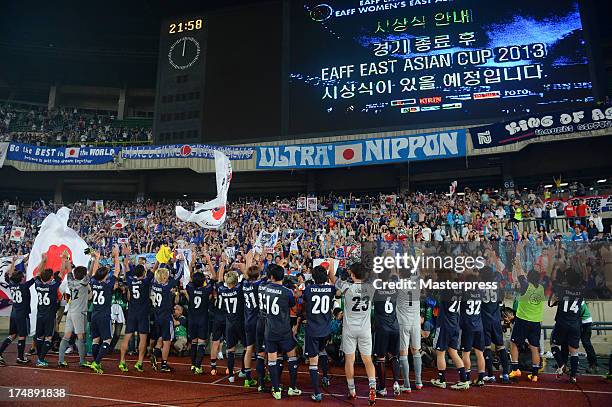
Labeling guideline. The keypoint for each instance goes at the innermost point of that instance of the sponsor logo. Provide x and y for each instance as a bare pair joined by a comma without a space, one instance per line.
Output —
457,105
429,108
403,102
487,95
430,100
484,137
411,109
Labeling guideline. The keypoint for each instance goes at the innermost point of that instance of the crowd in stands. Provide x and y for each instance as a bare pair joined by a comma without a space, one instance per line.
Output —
66,126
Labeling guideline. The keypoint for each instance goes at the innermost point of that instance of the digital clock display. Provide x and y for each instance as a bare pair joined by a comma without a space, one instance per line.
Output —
182,26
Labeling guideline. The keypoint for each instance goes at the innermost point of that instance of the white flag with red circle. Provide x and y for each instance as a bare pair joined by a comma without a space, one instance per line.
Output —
349,153
72,152
17,233
120,224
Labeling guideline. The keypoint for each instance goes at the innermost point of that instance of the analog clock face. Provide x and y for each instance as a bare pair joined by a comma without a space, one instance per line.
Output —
184,53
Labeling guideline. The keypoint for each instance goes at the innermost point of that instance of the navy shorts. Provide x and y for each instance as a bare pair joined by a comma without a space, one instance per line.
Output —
198,328
164,328
492,333
100,326
314,345
386,342
526,330
471,339
137,323
45,325
234,333
218,329
446,337
282,345
20,325
260,342
563,334
250,336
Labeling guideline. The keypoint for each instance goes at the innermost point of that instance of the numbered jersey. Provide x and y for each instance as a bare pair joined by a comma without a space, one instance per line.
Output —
319,300
471,307
251,302
450,308
140,292
385,310
199,300
357,304
46,294
409,306
261,298
570,301
232,302
79,294
20,294
490,305
102,294
278,302
161,297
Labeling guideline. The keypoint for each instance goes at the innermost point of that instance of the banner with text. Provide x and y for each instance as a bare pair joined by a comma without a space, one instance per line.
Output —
61,155
415,147
542,125
185,151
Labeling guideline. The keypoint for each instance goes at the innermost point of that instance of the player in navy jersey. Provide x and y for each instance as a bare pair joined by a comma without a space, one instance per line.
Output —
447,337
491,324
20,313
163,305
279,337
46,286
138,281
230,292
472,335
218,328
102,285
199,291
260,343
318,306
250,285
568,296
386,338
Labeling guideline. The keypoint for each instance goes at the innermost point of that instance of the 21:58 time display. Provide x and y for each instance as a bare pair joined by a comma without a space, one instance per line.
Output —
190,25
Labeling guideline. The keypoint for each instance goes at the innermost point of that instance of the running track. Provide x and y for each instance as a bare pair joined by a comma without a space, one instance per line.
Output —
181,388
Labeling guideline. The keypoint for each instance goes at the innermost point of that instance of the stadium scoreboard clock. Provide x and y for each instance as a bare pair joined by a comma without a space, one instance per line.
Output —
179,100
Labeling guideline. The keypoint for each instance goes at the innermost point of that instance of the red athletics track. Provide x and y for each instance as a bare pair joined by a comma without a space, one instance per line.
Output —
181,388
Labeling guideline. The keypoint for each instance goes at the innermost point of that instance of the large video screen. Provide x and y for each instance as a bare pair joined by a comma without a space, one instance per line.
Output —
374,64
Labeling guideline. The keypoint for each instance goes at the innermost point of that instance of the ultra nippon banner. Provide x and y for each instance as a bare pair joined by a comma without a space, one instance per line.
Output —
61,155
541,125
185,151
364,152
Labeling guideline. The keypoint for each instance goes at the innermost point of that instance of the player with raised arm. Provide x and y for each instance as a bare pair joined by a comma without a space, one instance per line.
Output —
19,325
76,317
356,331
472,335
250,286
230,291
318,307
102,285
447,336
491,324
568,296
138,281
218,324
260,343
46,285
199,291
279,337
163,305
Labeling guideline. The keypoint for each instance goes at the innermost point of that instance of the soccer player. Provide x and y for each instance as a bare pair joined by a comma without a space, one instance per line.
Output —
279,337
447,337
76,317
19,326
218,328
46,287
260,345
491,324
102,285
199,291
138,281
232,297
250,285
472,335
387,338
356,331
527,324
568,297
318,306
163,306
409,318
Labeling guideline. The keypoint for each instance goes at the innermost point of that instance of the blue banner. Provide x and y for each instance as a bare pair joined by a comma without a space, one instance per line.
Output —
185,151
415,147
61,155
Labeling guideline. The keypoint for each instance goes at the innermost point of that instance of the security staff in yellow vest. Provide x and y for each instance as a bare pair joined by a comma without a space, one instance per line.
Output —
527,324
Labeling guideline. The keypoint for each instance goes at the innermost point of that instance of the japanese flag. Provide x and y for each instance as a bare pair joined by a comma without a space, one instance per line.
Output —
72,152
348,154
325,263
120,224
17,233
